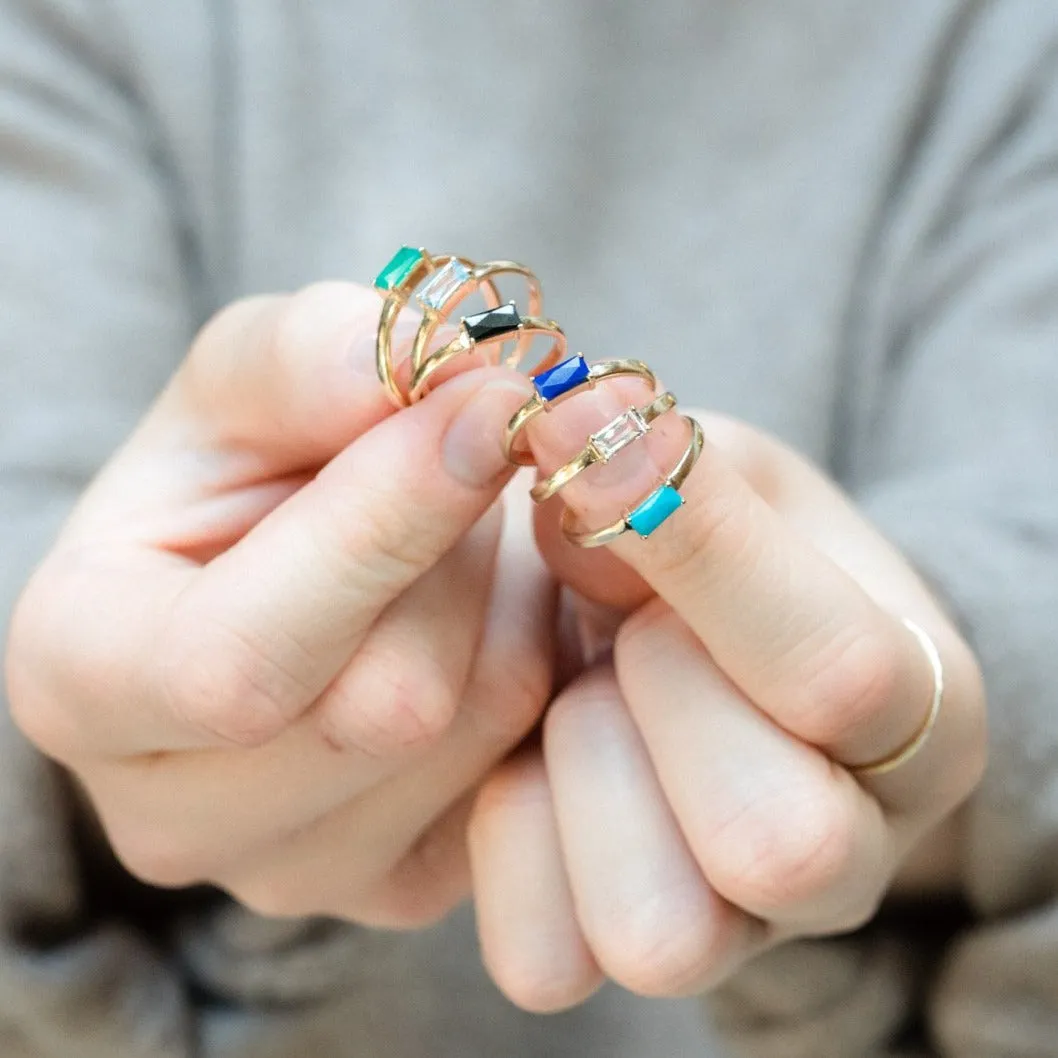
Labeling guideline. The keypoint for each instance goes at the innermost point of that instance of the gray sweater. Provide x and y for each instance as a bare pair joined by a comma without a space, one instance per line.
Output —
837,220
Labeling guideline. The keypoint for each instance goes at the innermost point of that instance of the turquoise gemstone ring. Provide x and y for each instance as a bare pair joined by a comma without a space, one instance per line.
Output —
651,512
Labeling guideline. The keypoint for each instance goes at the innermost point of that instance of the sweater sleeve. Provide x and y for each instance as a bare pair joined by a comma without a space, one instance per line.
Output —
93,316
957,459
959,467
953,454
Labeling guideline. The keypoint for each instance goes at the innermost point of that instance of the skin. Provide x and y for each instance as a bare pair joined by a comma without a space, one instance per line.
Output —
688,806
289,645
286,632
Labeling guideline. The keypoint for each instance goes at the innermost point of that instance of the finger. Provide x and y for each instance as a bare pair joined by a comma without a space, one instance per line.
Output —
402,688
285,379
259,634
597,574
232,652
274,387
527,926
793,630
161,814
652,921
326,870
776,828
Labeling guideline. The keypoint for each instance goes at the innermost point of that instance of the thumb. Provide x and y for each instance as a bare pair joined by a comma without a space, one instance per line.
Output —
280,613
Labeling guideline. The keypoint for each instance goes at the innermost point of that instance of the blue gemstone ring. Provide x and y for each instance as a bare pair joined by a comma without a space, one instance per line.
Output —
487,328
651,512
559,383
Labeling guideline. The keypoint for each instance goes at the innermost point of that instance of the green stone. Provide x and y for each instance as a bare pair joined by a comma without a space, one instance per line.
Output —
401,266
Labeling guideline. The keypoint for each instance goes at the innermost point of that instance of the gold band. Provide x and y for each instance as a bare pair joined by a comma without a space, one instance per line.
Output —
910,748
480,275
604,444
645,518
396,298
464,342
536,404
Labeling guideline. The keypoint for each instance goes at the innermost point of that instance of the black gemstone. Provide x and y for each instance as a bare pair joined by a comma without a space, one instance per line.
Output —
493,322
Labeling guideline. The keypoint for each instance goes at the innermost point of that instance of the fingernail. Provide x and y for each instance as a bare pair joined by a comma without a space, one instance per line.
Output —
472,449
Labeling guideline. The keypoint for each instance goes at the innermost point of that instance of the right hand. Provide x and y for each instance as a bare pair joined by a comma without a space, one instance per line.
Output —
280,642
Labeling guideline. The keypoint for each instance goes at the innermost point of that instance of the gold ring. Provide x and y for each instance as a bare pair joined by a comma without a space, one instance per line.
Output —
657,508
452,284
910,748
604,444
486,328
405,271
559,383
449,279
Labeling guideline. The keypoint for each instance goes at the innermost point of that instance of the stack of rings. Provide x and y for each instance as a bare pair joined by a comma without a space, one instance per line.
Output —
567,379
445,280
439,282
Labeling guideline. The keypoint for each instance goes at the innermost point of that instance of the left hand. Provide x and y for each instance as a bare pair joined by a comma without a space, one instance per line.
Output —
692,802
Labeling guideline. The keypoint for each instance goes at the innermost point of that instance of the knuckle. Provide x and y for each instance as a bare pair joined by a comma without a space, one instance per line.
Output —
274,896
778,858
403,908
507,699
517,783
851,683
27,702
155,855
42,659
542,987
857,914
968,722
387,533
656,947
645,635
390,703
714,527
219,684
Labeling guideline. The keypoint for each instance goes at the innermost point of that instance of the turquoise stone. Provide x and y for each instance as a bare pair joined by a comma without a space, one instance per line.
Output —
654,510
402,264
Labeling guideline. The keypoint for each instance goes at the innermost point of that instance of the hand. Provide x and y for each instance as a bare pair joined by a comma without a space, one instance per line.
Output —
280,640
692,804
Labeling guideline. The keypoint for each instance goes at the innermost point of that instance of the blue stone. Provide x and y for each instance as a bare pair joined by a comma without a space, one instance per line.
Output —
654,510
561,378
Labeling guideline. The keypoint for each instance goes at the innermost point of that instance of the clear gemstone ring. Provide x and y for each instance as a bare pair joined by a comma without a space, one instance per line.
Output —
604,444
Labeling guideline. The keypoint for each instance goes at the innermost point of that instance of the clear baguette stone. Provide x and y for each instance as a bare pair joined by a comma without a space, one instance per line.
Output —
619,434
443,285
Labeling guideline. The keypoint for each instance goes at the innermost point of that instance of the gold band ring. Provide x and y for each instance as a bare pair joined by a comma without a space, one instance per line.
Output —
559,383
910,748
604,444
406,270
486,328
663,502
